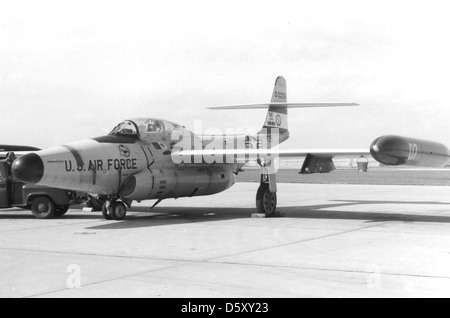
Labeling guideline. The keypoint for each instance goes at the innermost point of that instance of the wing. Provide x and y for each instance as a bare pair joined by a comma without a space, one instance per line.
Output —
18,150
6,148
247,155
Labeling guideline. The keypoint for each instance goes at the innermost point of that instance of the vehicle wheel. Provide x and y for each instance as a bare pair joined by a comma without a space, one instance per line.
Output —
118,211
266,201
61,210
105,211
43,208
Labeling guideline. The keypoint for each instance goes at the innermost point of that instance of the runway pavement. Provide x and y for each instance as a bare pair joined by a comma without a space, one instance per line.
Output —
335,241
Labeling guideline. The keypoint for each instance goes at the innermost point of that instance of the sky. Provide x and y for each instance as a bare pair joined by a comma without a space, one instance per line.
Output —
71,70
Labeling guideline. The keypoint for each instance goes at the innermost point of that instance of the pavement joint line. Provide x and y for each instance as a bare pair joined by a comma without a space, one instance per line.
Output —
96,255
107,280
332,270
304,240
187,260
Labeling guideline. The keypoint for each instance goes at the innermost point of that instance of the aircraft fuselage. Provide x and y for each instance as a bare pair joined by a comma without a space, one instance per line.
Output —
136,168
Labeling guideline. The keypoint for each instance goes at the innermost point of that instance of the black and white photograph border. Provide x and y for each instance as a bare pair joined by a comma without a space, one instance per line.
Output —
358,204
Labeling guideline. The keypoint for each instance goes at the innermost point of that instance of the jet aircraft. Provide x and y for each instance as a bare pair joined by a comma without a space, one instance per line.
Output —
156,159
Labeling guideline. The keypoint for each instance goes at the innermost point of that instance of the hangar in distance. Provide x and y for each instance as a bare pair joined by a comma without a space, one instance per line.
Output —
156,159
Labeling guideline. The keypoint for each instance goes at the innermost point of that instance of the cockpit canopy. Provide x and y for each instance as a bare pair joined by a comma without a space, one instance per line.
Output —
143,126
125,128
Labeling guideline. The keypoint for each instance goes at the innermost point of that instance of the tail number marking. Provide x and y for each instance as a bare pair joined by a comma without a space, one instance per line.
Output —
412,151
279,94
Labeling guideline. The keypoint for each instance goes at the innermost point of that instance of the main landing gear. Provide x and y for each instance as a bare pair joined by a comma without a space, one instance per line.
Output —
266,197
114,210
266,201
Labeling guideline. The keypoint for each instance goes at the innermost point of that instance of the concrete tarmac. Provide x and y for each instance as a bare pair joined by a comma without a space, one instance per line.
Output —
335,241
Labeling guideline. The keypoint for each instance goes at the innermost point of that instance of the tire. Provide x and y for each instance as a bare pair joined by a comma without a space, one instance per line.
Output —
43,208
105,212
266,201
118,211
61,210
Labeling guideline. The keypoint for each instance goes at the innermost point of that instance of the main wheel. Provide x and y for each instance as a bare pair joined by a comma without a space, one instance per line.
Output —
118,211
43,208
105,211
266,201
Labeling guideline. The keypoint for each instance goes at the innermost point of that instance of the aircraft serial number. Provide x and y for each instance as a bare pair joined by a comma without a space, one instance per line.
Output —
101,165
280,94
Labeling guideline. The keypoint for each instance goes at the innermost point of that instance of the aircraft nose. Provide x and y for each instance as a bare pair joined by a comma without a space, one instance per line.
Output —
28,168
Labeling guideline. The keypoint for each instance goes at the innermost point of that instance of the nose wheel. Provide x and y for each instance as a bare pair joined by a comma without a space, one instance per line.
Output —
116,210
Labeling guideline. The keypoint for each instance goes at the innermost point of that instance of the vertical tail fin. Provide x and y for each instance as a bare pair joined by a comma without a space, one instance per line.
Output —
279,91
276,123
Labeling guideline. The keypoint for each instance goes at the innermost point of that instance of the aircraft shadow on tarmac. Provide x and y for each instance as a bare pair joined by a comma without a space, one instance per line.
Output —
180,215
318,212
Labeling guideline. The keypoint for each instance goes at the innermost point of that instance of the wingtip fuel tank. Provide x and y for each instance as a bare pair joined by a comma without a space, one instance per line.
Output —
398,150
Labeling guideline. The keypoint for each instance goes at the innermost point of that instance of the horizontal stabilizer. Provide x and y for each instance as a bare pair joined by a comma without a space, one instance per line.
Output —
282,104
